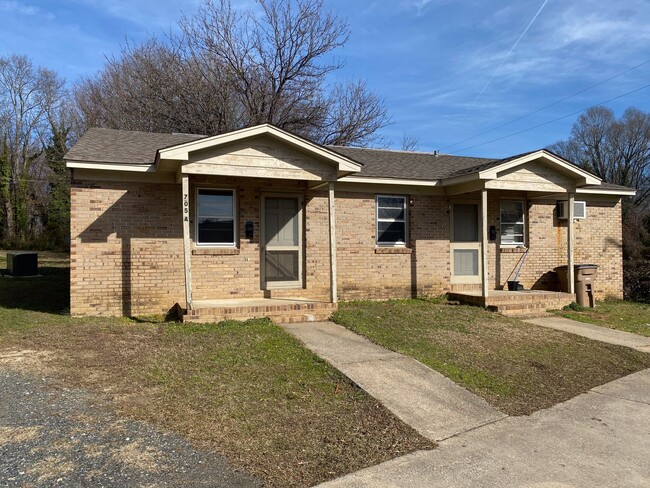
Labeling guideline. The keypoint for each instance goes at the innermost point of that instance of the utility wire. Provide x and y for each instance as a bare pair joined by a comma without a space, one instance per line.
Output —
546,106
551,121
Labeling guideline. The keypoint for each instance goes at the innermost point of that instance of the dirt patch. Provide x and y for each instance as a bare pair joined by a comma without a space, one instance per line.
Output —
9,435
26,359
51,467
139,456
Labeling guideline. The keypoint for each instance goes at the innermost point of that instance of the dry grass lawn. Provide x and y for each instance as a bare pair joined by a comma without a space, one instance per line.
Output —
615,314
245,389
517,367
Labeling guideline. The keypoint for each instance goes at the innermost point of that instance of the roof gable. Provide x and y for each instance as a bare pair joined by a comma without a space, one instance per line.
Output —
183,152
499,168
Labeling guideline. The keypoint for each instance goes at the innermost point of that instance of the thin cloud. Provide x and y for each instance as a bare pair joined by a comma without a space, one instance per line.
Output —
23,9
514,46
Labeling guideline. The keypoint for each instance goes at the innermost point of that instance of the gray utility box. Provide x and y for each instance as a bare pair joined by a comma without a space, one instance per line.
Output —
22,263
584,276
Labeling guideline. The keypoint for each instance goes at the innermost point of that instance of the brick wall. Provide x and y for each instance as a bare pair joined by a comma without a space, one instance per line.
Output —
127,252
367,272
598,240
126,246
228,273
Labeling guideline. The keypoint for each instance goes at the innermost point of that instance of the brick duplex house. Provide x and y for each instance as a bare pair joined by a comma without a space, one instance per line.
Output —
260,222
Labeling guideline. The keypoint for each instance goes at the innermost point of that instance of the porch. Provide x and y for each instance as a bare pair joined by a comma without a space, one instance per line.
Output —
522,303
280,310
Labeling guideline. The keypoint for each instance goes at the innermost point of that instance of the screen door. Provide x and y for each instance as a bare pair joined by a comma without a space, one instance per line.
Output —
282,246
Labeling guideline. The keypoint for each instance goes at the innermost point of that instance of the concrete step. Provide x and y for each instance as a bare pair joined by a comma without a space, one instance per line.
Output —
289,313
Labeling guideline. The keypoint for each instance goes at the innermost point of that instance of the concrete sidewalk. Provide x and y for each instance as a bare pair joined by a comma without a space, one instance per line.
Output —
595,332
435,406
600,438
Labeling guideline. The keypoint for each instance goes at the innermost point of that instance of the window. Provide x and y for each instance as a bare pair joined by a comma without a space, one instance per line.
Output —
391,220
512,222
215,217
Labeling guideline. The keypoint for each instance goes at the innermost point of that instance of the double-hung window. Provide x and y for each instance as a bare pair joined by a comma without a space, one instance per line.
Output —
512,223
215,217
391,220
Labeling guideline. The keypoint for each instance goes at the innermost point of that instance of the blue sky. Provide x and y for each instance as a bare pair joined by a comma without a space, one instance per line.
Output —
448,69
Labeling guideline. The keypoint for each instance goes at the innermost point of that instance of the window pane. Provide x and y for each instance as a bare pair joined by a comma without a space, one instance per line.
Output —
395,202
391,213
512,211
466,262
281,266
512,233
391,232
465,222
216,231
215,203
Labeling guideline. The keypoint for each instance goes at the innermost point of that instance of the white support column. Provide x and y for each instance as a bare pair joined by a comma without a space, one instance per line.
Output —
332,218
569,233
484,244
187,250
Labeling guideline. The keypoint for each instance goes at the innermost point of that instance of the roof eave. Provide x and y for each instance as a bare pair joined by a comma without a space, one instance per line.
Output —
113,166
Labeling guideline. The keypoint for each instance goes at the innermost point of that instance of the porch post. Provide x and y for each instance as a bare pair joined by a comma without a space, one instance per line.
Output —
187,251
332,219
484,244
570,243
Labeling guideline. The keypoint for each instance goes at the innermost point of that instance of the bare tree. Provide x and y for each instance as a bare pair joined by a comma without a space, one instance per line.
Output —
410,142
618,151
28,95
232,68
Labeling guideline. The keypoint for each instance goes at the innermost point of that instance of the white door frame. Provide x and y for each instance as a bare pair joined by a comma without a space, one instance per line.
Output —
465,280
275,285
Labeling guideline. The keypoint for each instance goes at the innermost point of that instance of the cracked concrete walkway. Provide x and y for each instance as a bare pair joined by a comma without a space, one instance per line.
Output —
595,332
435,406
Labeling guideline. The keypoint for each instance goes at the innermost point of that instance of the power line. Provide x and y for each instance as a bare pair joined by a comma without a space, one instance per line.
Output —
546,106
550,121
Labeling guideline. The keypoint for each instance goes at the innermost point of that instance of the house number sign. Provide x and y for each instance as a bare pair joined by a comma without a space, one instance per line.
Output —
186,207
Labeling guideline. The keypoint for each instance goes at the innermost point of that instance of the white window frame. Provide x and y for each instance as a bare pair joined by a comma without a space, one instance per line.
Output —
523,222
235,220
405,220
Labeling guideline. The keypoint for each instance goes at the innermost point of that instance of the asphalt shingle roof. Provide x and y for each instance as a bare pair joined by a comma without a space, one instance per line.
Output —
134,147
124,146
383,163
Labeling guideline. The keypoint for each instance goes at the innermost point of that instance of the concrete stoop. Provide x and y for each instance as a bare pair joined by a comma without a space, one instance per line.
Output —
522,304
283,313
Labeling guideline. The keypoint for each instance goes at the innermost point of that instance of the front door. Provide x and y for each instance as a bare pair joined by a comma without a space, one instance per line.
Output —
281,241
465,243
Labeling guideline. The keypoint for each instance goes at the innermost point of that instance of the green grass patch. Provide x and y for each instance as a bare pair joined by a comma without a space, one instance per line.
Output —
246,389
615,314
517,367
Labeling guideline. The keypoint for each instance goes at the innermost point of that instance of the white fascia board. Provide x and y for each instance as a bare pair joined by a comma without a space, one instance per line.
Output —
181,151
460,179
587,178
388,181
138,168
605,191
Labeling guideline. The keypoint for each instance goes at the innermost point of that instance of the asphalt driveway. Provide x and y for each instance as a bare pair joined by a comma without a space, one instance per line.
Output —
51,436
